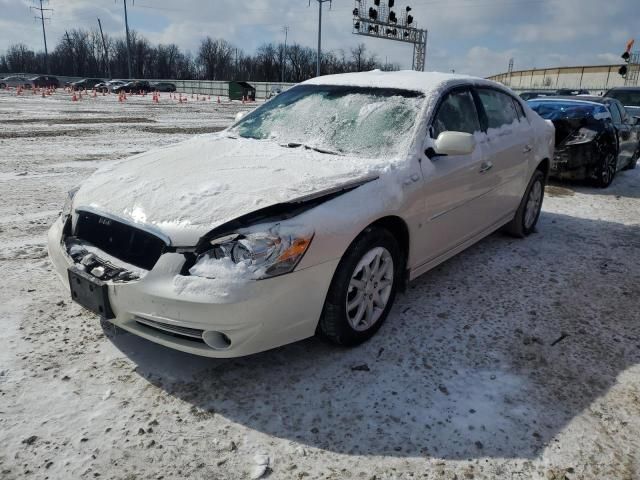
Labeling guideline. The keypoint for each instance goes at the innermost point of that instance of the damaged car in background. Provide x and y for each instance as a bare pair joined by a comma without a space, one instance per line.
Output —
595,137
307,215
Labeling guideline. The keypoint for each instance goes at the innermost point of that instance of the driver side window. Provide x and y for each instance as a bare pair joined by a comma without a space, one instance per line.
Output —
457,113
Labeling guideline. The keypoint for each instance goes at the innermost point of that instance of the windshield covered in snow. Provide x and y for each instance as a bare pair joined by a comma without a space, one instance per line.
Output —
555,109
361,121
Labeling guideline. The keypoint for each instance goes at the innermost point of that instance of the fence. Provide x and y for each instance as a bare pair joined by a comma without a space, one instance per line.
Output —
202,87
594,78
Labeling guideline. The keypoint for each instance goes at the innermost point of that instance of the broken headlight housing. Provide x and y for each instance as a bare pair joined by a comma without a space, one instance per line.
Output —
584,135
263,254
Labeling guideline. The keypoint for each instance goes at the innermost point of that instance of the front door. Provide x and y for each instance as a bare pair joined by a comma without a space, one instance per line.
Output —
456,188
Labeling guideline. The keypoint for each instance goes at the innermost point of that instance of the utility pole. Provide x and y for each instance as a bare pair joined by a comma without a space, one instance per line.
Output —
126,26
42,18
320,2
106,54
284,52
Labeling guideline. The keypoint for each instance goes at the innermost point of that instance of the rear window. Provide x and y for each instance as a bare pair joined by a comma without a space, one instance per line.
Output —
552,110
628,98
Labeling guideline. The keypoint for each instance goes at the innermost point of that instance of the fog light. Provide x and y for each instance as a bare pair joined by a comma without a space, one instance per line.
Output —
216,340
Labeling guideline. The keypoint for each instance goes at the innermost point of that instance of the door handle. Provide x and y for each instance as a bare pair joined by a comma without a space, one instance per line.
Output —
527,149
485,167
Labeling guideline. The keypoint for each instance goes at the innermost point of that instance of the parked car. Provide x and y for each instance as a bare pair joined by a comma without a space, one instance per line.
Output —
568,92
627,96
308,214
15,81
536,93
85,83
135,86
595,137
109,86
44,81
163,86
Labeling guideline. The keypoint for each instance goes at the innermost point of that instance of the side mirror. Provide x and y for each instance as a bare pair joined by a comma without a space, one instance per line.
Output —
636,120
454,143
239,116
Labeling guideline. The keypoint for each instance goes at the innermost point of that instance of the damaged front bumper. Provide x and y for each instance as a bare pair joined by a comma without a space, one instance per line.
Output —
575,162
214,322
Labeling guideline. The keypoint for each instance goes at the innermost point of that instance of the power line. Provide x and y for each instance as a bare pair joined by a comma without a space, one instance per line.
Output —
42,18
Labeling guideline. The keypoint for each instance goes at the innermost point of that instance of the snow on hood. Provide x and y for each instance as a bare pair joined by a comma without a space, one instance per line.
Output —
187,189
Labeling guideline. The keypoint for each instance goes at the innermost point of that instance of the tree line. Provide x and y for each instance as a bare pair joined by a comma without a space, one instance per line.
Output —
80,53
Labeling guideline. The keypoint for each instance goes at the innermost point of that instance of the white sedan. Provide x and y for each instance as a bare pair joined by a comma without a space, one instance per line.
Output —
307,215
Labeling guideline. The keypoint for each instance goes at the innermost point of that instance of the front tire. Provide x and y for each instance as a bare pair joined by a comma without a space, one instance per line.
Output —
606,170
363,288
524,223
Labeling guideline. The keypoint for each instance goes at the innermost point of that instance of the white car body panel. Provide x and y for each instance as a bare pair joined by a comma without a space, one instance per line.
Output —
184,191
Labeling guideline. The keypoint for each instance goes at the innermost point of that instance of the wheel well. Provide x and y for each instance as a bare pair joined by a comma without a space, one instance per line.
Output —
398,228
543,166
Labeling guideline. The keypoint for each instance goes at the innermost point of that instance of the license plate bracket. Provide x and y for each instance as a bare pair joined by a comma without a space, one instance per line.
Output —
90,292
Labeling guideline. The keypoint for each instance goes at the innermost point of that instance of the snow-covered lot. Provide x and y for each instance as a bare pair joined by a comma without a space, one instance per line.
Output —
517,359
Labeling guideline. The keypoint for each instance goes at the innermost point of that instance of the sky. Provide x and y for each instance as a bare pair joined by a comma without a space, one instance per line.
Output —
476,37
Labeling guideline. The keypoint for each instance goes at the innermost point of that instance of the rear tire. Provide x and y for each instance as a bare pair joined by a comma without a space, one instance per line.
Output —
363,288
524,223
634,161
606,169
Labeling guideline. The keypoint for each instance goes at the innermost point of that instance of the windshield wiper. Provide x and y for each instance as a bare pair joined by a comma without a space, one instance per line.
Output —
310,147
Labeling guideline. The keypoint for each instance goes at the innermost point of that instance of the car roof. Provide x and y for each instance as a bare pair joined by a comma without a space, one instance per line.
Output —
425,82
631,89
573,98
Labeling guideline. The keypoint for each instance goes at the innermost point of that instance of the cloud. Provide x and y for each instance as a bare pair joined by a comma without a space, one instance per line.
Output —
472,36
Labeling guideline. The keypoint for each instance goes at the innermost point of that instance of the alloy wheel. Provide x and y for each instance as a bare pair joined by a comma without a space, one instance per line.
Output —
534,203
370,288
608,169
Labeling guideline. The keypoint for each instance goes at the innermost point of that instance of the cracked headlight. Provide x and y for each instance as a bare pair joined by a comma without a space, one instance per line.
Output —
68,203
260,254
584,135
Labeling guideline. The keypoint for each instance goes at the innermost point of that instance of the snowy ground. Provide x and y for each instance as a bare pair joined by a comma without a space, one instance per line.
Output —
517,359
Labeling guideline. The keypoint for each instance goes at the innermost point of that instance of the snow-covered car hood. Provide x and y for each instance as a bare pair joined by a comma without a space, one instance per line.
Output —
185,190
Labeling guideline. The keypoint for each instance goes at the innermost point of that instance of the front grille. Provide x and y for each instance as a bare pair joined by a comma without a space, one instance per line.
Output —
183,332
120,240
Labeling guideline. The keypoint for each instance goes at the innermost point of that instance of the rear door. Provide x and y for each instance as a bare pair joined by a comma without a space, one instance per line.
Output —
455,187
628,143
509,146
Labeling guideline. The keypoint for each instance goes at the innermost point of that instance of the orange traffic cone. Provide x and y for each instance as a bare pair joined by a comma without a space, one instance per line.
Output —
74,98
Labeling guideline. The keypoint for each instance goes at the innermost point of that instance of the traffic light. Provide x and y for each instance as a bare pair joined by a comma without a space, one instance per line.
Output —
392,17
376,3
391,3
409,19
373,13
626,56
355,12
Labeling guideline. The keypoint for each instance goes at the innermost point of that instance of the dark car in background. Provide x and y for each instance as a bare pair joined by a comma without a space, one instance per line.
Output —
44,81
572,92
85,83
163,86
595,137
627,96
536,93
135,86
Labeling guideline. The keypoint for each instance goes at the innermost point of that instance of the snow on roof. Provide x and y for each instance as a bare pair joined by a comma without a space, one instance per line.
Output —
404,79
